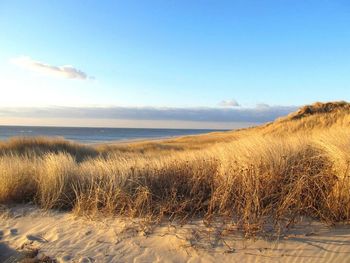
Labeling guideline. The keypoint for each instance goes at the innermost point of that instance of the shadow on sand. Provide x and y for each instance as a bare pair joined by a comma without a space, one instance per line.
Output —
8,254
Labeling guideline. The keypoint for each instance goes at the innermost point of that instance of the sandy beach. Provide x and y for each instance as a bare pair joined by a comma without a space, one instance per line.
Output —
67,238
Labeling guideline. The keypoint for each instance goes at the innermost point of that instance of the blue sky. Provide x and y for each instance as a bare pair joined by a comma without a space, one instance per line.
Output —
175,54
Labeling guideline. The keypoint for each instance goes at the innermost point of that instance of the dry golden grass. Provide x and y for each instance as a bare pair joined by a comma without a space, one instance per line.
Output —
296,166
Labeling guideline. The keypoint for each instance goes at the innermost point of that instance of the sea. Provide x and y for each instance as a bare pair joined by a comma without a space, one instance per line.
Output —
95,135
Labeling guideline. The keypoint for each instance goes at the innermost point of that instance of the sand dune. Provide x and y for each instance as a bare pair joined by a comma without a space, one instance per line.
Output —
69,239
280,173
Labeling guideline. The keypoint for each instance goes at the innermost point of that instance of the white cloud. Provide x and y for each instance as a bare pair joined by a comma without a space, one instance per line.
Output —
229,103
251,115
66,71
262,106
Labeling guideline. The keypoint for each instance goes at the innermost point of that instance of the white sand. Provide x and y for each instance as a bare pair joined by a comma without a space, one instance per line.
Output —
71,239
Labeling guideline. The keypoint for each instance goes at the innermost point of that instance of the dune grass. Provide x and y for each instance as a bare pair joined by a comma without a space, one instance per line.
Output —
253,179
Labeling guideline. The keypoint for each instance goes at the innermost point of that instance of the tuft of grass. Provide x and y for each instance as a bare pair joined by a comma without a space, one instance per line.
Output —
39,146
17,177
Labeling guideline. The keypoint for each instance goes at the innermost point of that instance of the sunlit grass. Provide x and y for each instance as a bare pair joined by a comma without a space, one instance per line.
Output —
274,173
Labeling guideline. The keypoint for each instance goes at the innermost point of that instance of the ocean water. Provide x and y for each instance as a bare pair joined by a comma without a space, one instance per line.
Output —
95,135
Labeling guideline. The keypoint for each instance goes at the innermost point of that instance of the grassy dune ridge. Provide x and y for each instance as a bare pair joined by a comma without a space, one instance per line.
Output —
297,165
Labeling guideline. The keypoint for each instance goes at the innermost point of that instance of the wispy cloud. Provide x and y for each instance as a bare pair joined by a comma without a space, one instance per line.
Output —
262,106
255,115
66,71
229,103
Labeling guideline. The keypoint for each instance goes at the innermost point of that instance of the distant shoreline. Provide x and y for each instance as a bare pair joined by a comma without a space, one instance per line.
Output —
98,136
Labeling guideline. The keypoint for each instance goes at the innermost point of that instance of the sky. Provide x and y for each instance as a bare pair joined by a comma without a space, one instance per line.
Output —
172,64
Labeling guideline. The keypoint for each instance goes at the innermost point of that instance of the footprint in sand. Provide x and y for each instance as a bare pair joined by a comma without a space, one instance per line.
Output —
86,260
14,231
36,238
66,258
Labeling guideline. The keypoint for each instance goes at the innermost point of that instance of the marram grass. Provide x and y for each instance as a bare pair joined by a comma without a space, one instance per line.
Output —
270,174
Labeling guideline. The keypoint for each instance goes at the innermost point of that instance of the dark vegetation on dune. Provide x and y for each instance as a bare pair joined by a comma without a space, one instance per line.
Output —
295,166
